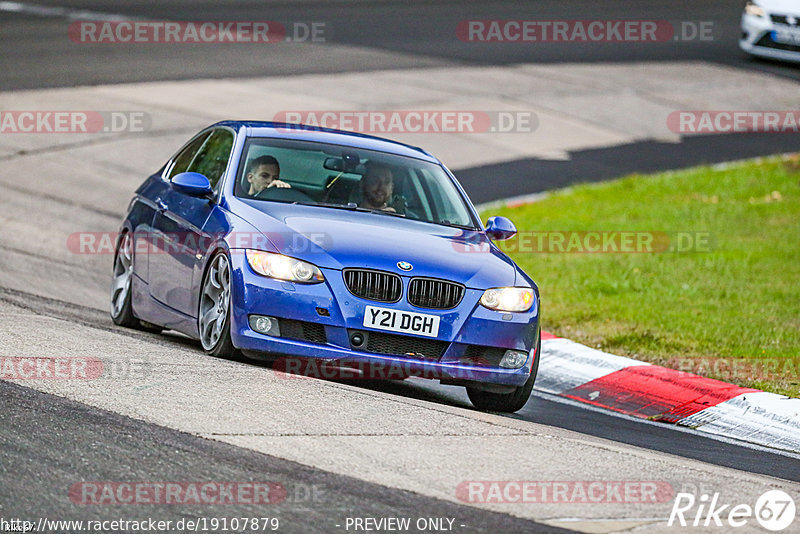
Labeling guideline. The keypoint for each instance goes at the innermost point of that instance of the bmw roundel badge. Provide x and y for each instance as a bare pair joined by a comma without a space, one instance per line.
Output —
404,266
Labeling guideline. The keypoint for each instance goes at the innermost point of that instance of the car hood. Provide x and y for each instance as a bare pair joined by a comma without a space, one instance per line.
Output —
780,7
338,238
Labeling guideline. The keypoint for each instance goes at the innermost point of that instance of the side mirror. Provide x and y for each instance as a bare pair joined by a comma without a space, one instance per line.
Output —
500,228
192,184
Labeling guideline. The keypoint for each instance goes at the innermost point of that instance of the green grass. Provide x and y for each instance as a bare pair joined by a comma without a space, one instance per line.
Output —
730,312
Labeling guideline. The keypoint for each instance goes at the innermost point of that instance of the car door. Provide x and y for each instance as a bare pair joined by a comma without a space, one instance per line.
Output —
178,224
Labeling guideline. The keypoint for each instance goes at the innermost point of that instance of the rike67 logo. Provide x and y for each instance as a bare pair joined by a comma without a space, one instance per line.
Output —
774,510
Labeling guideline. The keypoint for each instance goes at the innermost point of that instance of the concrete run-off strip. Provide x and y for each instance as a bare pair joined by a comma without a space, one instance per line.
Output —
574,107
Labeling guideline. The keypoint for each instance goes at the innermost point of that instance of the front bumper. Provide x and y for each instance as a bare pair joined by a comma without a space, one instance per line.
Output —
757,39
325,315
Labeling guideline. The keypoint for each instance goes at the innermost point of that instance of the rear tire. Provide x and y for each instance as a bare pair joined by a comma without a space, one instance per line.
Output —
506,402
214,310
121,289
121,308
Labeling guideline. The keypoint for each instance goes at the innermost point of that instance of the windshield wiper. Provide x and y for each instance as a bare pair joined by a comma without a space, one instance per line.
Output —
387,212
454,225
351,206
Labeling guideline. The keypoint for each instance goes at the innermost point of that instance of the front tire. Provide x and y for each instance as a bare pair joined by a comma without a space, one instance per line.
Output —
507,402
214,311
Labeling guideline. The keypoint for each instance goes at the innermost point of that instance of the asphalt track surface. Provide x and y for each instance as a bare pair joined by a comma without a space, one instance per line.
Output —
541,408
69,441
49,442
395,35
598,164
412,34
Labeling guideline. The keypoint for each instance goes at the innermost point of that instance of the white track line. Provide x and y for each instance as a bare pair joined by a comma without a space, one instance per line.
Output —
64,12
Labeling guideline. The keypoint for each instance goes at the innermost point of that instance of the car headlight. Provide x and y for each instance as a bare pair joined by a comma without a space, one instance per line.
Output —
508,299
283,267
751,8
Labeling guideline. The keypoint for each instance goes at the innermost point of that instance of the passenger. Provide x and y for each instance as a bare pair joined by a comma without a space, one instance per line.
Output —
377,186
264,172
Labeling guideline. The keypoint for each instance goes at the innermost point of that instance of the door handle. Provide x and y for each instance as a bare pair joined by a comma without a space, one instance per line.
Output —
161,206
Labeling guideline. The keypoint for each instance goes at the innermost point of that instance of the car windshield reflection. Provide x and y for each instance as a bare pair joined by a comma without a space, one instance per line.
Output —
340,177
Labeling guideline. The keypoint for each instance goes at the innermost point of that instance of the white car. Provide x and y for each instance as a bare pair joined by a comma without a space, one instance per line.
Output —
771,29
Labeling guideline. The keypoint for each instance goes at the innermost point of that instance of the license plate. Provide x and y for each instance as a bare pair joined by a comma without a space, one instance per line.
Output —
791,37
401,321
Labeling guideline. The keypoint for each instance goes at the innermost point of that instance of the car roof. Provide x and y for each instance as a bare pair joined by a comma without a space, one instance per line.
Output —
301,132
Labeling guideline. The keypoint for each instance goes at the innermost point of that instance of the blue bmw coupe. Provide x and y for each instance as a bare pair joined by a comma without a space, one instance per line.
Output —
325,246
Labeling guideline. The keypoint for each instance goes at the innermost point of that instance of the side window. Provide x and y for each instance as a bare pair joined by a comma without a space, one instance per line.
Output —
212,159
186,156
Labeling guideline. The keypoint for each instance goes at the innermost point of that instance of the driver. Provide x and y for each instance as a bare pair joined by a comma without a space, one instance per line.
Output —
377,186
264,172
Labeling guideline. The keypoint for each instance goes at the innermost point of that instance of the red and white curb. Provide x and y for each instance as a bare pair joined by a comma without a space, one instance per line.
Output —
570,370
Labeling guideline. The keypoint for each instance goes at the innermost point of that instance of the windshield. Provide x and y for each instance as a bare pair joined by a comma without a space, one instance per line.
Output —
334,176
